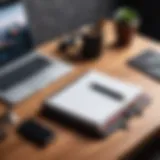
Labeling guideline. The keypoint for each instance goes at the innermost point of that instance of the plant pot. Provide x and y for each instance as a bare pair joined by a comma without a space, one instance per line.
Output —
125,34
2,135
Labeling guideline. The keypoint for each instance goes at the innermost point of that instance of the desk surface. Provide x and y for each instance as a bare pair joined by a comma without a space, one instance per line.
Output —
69,145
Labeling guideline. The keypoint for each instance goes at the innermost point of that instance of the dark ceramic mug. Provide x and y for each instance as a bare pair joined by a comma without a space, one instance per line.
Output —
92,46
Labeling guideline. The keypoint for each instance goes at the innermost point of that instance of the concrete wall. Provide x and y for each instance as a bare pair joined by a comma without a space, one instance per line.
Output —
50,18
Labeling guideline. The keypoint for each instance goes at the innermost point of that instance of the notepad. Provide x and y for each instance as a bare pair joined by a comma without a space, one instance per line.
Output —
96,99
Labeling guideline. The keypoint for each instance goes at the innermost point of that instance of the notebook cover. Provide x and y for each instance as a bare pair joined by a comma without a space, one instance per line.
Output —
82,100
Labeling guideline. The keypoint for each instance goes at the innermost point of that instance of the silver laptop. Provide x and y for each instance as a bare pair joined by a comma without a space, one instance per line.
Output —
22,71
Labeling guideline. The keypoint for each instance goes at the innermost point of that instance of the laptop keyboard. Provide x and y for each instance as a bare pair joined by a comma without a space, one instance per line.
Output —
26,71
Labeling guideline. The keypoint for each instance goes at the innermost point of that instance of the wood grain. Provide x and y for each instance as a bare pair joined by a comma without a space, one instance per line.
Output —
70,145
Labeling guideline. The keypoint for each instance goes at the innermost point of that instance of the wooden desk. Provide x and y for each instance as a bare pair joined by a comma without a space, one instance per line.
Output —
69,145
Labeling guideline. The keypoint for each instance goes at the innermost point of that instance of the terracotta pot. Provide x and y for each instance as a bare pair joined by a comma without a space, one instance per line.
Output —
2,135
125,34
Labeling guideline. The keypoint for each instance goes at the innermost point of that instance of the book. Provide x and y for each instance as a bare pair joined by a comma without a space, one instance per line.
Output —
147,62
95,101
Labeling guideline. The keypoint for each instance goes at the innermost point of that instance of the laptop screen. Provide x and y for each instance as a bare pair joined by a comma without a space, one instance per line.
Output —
15,36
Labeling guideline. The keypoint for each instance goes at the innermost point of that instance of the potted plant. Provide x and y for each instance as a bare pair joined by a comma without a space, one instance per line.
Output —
127,21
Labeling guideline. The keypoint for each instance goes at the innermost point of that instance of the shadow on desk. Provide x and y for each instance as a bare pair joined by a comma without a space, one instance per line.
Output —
71,123
148,151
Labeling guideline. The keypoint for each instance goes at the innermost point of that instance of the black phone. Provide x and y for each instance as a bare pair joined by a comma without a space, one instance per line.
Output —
35,132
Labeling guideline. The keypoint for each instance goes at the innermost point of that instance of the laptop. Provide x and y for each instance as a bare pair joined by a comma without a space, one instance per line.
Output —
23,71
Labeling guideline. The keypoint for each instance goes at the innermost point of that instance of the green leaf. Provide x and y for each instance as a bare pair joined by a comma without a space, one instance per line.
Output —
126,15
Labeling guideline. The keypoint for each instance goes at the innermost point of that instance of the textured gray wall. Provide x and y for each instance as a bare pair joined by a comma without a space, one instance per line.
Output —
50,18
